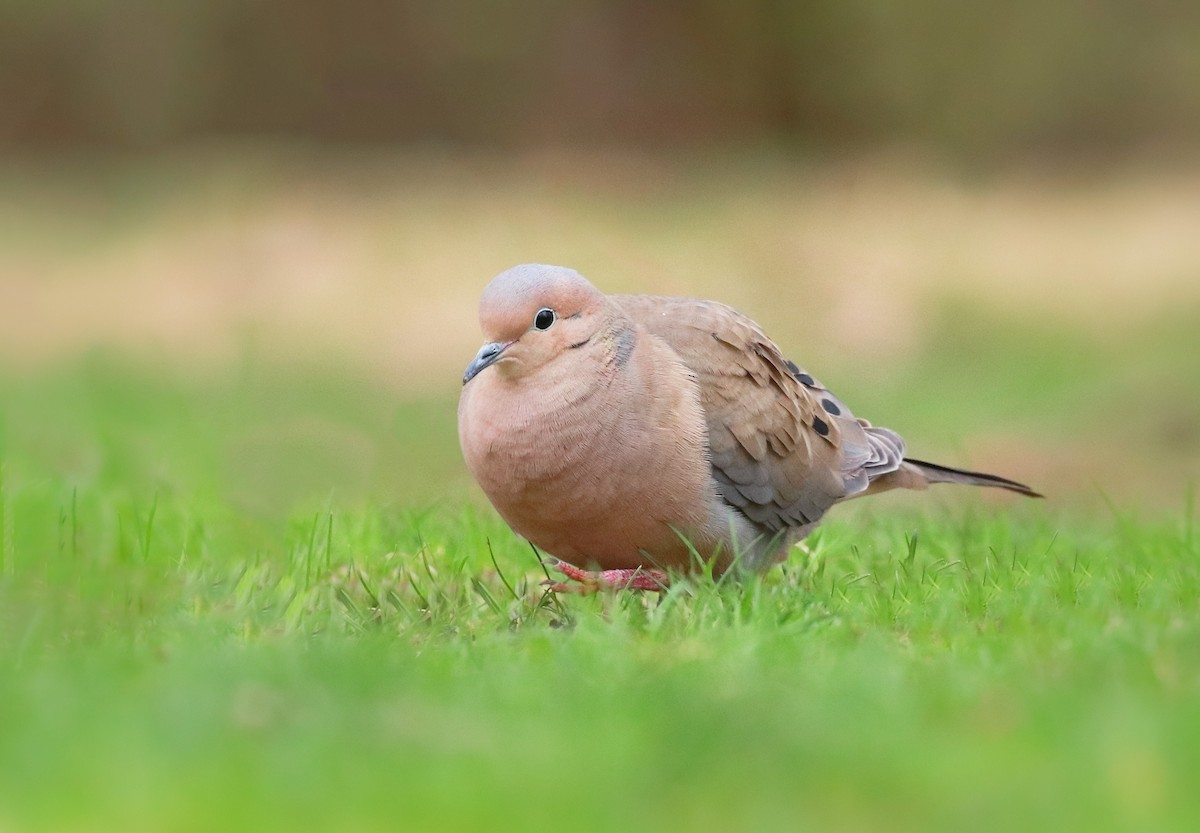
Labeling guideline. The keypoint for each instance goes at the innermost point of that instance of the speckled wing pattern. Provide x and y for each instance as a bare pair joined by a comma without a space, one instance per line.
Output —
783,448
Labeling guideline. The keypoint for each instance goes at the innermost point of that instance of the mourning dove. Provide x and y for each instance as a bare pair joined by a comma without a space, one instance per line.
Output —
639,434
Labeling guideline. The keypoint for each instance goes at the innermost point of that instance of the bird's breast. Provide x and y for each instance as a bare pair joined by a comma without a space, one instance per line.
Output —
515,436
592,468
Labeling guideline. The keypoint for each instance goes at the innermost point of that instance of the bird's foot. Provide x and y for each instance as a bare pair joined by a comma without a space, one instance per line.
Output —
587,581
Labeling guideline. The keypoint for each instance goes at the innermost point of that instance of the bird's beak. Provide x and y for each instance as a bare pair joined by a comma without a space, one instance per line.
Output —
488,354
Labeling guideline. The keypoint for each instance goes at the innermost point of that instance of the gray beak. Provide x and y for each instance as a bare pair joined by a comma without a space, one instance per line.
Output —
488,354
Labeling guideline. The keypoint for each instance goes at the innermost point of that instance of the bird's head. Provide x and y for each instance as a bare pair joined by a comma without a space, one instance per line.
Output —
531,314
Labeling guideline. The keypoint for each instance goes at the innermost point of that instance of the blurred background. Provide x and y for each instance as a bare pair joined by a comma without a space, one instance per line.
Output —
982,84
978,223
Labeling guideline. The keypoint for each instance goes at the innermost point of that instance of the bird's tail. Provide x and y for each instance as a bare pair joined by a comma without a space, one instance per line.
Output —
917,474
933,473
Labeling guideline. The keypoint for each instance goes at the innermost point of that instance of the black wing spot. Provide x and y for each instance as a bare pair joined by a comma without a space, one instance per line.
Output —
819,425
830,406
801,377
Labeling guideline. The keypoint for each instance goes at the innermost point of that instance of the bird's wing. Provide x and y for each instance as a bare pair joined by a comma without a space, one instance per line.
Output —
783,448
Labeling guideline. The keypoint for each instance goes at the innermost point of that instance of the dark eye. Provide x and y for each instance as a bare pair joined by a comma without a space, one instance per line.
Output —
544,318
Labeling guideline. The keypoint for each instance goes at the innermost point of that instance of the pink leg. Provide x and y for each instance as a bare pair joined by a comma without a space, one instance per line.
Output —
585,581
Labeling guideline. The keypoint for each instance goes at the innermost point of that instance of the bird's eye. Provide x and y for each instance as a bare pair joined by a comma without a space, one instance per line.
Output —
543,319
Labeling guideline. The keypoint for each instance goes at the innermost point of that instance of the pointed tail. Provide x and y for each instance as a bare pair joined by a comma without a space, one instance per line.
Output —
933,473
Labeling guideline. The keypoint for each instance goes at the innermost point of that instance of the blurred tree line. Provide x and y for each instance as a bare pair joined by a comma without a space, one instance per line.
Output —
963,77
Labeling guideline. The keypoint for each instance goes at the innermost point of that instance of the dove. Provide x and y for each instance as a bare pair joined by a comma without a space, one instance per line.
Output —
630,436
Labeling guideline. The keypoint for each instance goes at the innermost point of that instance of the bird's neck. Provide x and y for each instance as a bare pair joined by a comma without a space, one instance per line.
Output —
614,342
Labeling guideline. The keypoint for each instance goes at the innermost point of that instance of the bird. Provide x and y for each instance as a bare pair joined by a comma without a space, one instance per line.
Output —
634,436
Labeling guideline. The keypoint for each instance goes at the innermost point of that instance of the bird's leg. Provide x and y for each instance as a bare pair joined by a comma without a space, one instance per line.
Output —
586,581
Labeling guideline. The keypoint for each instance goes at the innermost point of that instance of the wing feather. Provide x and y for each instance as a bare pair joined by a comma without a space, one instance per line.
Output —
783,448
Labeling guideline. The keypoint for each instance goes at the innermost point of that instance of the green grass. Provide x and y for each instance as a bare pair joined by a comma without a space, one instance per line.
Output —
264,599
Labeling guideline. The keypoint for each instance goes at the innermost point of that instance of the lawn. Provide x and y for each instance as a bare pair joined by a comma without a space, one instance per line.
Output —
262,594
